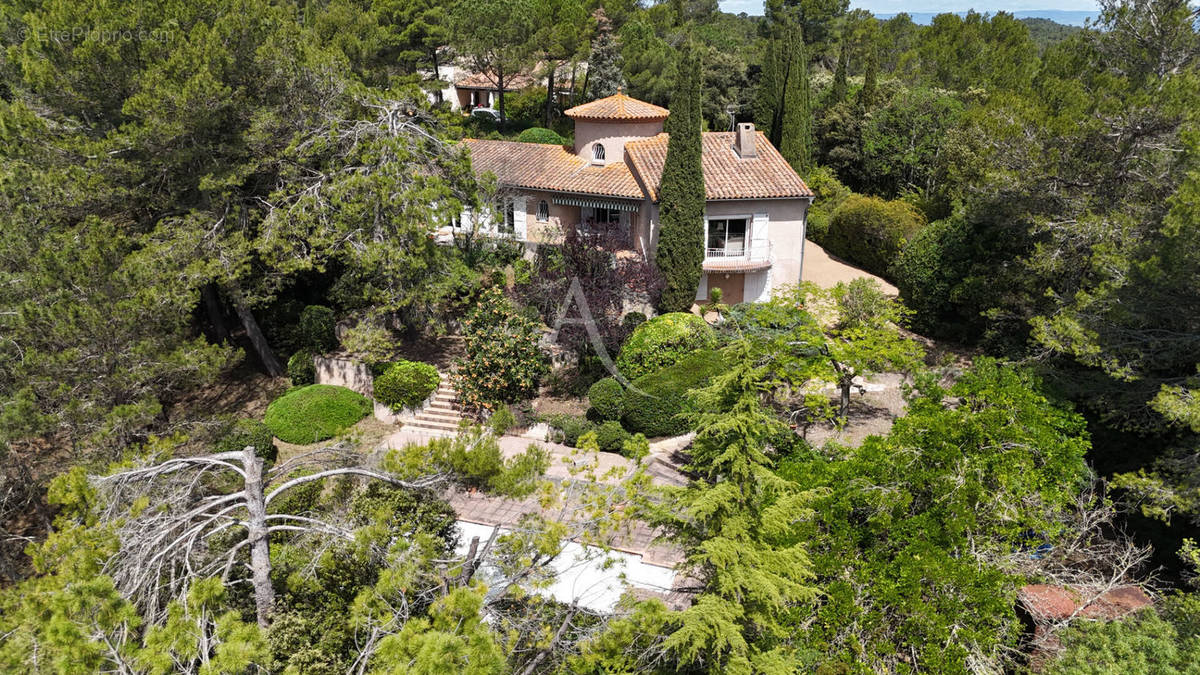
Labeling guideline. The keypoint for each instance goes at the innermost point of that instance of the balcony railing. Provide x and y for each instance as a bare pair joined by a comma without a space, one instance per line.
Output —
756,252
740,259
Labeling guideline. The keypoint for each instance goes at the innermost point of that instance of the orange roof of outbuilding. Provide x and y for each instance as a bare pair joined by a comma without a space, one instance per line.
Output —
618,107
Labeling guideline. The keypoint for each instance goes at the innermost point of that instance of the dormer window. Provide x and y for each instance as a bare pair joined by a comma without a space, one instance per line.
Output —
598,152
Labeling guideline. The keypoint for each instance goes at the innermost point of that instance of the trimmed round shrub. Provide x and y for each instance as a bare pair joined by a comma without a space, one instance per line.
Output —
315,413
541,135
301,370
871,232
249,433
632,320
611,436
655,404
316,329
406,384
663,341
606,398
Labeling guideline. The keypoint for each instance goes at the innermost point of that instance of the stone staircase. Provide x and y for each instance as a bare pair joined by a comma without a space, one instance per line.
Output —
442,415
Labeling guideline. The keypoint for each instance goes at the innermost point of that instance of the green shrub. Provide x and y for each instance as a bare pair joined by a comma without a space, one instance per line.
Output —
829,194
927,272
605,397
504,360
502,420
301,370
541,135
871,232
569,428
249,433
406,384
316,329
315,413
611,436
527,106
663,341
636,447
632,320
657,409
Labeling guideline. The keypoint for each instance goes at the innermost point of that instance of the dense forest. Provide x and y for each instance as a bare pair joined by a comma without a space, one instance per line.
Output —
199,197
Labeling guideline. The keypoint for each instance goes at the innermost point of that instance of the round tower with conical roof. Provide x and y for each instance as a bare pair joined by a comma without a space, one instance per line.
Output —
603,126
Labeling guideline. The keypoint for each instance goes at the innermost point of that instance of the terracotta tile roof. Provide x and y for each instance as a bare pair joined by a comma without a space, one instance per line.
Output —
726,176
551,167
488,81
617,107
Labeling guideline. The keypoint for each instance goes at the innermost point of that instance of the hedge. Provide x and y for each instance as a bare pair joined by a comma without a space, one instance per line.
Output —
406,384
541,135
301,369
656,410
662,341
606,398
315,413
871,232
249,433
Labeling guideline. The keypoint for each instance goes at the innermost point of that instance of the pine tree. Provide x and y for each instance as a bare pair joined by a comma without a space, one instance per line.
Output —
739,523
838,93
604,68
680,252
782,107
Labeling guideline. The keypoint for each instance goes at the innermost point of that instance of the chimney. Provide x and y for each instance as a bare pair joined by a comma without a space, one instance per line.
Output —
743,141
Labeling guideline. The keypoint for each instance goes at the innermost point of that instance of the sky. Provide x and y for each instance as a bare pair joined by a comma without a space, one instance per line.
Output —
894,6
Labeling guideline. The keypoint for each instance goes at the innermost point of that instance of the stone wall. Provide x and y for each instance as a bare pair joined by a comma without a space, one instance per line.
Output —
346,373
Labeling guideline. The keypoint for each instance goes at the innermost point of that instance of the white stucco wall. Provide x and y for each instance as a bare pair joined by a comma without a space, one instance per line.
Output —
786,223
584,574
613,135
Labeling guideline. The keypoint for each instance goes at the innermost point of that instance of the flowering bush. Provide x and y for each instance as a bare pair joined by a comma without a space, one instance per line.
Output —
504,361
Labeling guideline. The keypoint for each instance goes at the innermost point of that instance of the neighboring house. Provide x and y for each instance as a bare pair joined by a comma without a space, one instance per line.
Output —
469,89
755,213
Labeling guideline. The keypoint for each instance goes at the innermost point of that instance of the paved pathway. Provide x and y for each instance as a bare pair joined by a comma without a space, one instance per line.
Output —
826,271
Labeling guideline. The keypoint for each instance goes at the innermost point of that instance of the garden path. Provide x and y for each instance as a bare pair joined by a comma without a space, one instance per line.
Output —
826,271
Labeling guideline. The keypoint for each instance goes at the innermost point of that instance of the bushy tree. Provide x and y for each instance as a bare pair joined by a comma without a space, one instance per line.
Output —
871,232
504,361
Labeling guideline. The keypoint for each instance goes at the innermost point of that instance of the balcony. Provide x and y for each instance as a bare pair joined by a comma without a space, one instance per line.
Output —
753,258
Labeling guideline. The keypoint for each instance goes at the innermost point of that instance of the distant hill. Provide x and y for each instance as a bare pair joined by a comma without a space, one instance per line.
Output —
1060,16
1046,32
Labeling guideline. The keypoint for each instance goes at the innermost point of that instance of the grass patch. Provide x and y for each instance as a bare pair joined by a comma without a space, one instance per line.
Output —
315,413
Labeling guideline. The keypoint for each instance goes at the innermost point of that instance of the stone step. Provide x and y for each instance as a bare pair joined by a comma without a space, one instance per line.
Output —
419,423
442,405
439,414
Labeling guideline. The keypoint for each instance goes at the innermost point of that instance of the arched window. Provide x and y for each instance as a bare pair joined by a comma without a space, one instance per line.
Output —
598,152
543,212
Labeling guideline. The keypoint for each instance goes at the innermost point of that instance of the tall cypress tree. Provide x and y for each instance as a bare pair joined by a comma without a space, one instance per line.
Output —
680,252
795,136
782,106
838,93
866,95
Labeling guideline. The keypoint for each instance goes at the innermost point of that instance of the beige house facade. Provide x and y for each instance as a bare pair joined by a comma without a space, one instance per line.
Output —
755,210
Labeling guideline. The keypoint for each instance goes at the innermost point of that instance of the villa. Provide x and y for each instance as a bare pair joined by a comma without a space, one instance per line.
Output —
755,211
